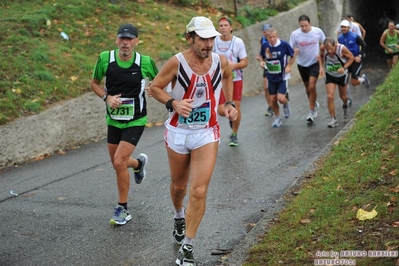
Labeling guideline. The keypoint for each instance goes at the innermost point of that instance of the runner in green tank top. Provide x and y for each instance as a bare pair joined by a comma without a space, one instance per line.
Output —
124,71
389,41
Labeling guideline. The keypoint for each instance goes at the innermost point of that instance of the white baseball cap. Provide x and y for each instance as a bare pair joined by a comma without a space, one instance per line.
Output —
345,23
203,27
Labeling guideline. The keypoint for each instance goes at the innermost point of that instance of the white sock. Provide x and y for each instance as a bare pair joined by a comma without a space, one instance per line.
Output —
180,213
188,241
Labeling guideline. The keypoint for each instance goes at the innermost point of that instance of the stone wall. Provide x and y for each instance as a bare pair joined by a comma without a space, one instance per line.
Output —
80,121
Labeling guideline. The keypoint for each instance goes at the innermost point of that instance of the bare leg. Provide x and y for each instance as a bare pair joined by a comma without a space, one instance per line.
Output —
121,161
198,167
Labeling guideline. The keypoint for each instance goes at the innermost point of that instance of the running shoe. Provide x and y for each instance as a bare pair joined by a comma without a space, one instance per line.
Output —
233,140
367,82
345,111
286,108
139,175
121,216
277,122
350,101
269,111
333,122
316,106
185,256
180,230
310,117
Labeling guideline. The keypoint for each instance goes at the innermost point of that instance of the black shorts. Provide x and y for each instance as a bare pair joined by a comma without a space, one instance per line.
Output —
354,69
341,81
310,71
130,134
390,55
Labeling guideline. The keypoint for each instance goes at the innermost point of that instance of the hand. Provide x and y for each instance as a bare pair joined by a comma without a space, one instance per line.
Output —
148,90
230,112
358,59
288,69
321,71
113,101
183,107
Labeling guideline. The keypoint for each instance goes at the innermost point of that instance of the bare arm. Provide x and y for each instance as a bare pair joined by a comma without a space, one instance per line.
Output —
166,76
113,101
227,86
382,41
349,56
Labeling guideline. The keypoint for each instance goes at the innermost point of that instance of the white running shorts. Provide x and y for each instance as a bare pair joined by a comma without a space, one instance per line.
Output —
183,143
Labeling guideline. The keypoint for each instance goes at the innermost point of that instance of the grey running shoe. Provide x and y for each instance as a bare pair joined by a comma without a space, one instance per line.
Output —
277,122
139,175
345,112
310,117
316,106
121,216
269,111
185,256
333,122
367,82
180,230
233,140
286,108
350,101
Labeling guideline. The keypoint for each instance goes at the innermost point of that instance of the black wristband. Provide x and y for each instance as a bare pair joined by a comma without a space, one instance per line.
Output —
169,106
232,104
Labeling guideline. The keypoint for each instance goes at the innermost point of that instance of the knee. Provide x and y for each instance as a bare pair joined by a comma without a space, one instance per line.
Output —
198,193
330,98
119,164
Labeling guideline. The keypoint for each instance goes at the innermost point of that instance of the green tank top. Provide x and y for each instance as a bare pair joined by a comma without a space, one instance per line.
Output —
391,42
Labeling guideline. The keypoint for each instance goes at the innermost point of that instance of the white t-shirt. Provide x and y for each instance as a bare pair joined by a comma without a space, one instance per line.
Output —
233,50
308,44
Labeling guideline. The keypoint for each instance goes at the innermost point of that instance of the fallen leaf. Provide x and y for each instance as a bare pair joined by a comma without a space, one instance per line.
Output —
73,78
305,221
365,215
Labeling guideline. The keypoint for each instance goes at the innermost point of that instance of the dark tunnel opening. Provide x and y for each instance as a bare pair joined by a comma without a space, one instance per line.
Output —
368,13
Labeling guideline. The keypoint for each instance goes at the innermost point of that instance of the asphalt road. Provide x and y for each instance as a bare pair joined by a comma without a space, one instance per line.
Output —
64,203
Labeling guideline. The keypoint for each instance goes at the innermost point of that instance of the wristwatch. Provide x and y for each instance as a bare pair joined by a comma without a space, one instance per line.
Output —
169,106
231,103
104,97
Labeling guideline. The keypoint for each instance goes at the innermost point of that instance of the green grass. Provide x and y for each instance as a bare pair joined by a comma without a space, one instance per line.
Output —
40,68
361,171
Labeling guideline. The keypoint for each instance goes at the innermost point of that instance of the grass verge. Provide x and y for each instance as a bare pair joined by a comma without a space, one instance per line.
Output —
360,171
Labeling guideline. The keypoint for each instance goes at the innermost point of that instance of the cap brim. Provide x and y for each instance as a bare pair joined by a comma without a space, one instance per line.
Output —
207,33
127,35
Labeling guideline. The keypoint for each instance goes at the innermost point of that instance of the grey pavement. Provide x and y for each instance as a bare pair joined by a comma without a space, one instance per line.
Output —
64,203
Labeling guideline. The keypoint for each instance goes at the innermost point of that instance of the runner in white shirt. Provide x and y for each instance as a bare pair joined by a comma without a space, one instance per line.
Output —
308,39
233,49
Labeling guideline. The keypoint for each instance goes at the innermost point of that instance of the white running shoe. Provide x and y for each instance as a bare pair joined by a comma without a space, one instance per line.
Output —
311,117
316,106
277,122
333,122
